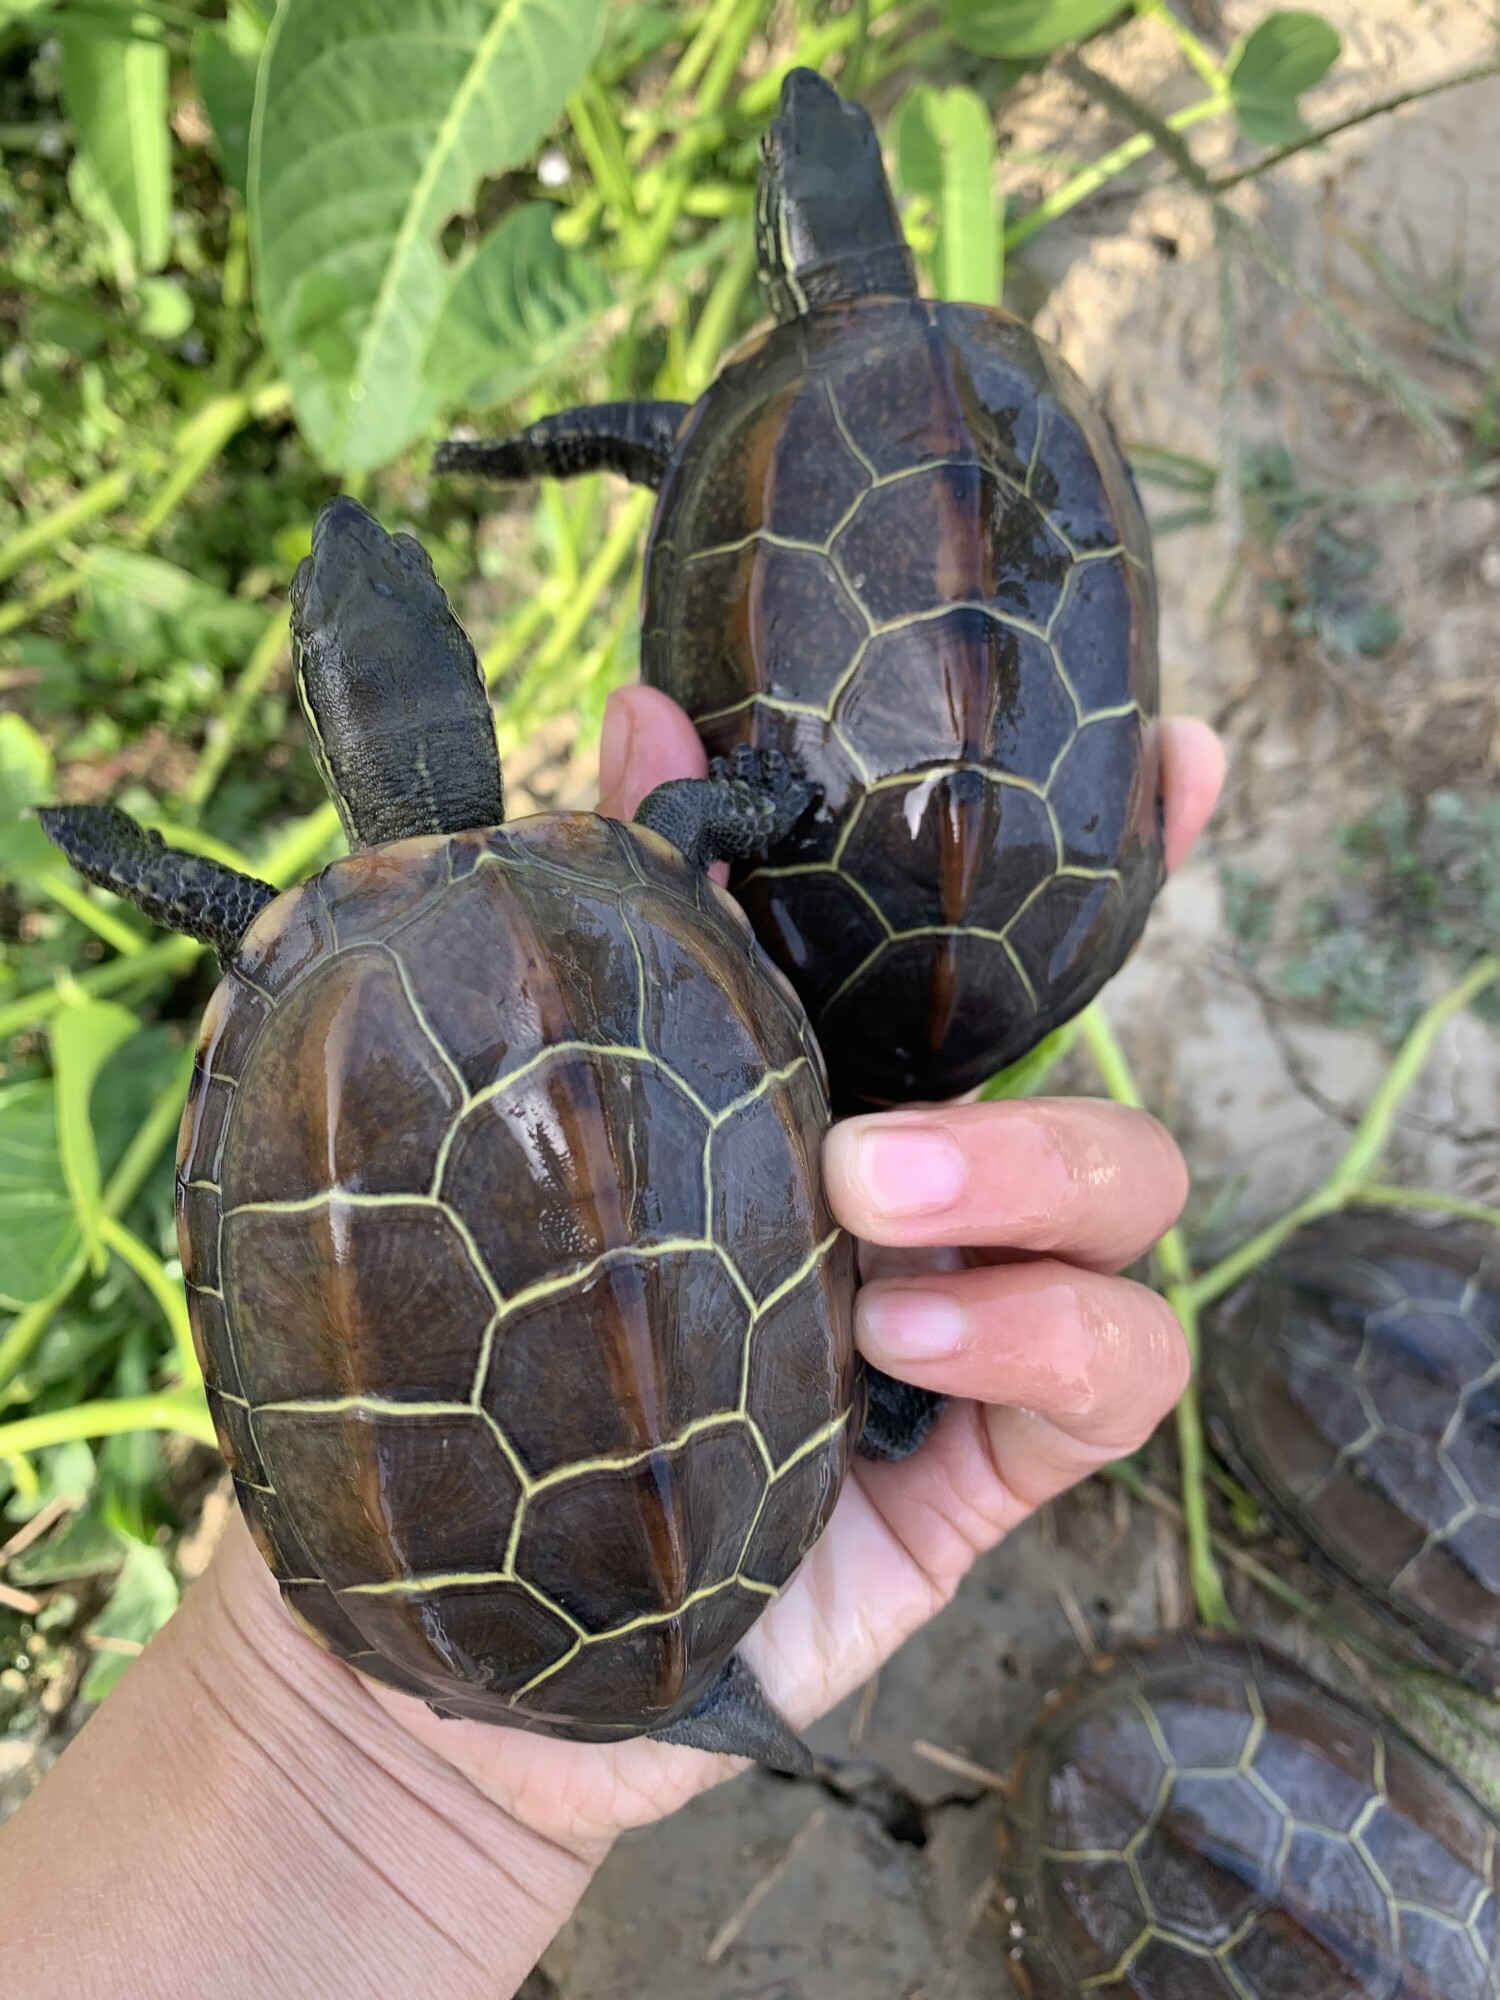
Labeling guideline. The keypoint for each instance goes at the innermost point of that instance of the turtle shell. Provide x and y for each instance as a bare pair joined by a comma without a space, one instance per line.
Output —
526,1331
1355,1383
898,541
1203,1821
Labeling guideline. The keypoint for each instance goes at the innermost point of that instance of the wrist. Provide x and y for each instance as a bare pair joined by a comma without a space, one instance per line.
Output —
286,1833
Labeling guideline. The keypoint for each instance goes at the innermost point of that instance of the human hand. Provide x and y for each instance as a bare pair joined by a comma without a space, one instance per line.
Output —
992,1233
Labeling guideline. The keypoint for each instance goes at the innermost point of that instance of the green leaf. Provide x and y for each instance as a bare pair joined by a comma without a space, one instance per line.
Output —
522,303
1269,70
26,779
226,60
84,1037
166,308
373,127
945,154
38,1231
114,83
153,612
1022,28
143,1599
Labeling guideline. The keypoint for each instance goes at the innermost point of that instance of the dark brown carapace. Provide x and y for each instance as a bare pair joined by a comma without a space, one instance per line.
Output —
525,1326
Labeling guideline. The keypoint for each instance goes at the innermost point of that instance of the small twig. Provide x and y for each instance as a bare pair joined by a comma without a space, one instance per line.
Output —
20,1601
864,1712
959,1766
1222,183
106,1642
33,1530
1367,360
730,1929
1073,1611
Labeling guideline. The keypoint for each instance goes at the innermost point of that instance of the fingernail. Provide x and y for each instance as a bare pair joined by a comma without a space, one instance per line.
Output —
906,1169
907,1325
614,753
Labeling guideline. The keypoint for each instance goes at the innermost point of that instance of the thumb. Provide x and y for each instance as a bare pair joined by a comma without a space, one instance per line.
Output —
647,739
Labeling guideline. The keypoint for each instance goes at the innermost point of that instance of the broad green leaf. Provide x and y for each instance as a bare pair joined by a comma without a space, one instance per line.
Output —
945,153
26,779
1269,70
1022,28
114,83
522,302
143,1599
226,58
153,612
375,123
38,1231
166,308
84,1037
87,1546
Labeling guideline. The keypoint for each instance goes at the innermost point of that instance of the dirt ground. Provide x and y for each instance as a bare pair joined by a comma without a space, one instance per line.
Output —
772,1891
767,1890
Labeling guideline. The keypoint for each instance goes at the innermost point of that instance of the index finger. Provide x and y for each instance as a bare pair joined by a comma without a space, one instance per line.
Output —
1079,1178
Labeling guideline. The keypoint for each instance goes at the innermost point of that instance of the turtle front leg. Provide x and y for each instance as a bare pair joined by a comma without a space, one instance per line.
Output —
897,1416
214,904
735,1717
634,439
749,800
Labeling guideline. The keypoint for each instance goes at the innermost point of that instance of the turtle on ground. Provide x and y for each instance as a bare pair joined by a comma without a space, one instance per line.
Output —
1202,1820
525,1326
897,540
1354,1384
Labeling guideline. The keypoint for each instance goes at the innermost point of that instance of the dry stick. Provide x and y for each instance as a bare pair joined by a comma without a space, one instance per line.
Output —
728,1931
864,1712
958,1766
1415,402
1224,182
1073,1611
36,1527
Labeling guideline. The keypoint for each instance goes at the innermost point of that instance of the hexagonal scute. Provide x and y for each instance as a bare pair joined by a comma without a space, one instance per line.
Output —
618,1542
897,362
802,1356
801,475
489,1638
1410,1472
961,687
1096,791
1441,1957
1312,1788
621,1361
1208,1727
952,847
588,1152
1107,1782
1332,1400
347,1092
1282,1959
1328,1889
1356,1518
1475,1544
768,1208
717,1020
796,1510
1420,1868
1416,1364
1065,936
1474,1449
1066,484
1093,1913
349,1300
380,1497
818,926
1328,1735
763,617
1210,1862
1164,1970
486,970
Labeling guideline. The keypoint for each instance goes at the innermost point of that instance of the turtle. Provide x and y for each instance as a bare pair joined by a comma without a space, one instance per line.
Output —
1201,1819
525,1327
897,539
1353,1382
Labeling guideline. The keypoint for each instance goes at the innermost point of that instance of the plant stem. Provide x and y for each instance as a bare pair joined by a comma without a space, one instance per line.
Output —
169,1296
1381,105
165,1410
1374,1194
1200,58
194,449
37,536
1171,1253
114,930
1108,167
15,615
172,955
225,729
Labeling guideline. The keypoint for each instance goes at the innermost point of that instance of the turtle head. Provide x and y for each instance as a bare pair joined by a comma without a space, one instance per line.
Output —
826,223
390,685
